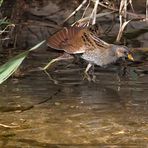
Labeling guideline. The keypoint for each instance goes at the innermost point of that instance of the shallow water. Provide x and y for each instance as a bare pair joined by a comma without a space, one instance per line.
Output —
35,112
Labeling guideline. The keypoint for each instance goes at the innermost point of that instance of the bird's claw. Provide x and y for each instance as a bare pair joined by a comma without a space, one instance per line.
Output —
89,78
49,76
93,78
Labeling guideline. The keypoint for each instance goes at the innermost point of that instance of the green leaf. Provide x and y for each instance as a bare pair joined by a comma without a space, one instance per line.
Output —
4,21
7,69
1,1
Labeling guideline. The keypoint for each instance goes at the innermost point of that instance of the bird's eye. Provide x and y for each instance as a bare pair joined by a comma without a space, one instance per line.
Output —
125,52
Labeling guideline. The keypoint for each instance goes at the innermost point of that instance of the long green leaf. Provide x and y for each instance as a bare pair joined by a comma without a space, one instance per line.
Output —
4,21
7,69
1,1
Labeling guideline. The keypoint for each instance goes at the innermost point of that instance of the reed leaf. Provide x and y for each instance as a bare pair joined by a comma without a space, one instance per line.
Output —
121,30
1,1
7,69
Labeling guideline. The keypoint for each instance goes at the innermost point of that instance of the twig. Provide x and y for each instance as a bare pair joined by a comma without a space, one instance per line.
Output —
56,93
9,126
140,16
94,12
121,30
4,30
131,4
76,10
146,17
122,12
86,8
122,18
43,101
97,15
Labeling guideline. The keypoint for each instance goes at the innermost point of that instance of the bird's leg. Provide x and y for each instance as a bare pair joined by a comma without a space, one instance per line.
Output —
86,75
65,56
92,73
123,70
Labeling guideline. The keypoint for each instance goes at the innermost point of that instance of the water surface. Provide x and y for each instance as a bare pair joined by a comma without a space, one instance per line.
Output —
35,112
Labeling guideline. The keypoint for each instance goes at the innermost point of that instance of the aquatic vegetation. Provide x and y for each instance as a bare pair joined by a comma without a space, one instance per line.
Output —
12,65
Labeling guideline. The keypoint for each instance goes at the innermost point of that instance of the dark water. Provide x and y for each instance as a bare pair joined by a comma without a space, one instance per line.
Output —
35,112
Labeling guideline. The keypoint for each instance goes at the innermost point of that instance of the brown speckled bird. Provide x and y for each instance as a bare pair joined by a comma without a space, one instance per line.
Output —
80,40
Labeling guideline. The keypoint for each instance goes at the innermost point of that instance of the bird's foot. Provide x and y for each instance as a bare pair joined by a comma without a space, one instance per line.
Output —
93,78
50,77
90,78
87,76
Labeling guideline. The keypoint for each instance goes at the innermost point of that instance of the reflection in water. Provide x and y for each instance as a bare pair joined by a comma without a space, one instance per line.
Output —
74,112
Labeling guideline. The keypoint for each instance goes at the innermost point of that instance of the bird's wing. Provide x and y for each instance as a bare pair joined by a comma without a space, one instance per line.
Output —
69,40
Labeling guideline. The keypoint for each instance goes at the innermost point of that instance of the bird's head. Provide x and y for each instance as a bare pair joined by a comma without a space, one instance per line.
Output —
123,52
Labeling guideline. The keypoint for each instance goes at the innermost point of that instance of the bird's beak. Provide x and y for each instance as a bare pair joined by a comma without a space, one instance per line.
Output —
130,57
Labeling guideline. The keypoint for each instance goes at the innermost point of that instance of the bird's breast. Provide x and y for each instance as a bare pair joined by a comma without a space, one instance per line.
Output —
99,57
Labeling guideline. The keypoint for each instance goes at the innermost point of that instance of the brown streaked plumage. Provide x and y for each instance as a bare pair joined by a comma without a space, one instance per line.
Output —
69,40
80,40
